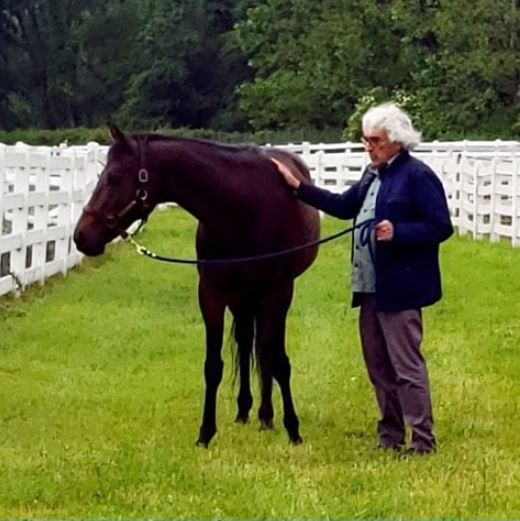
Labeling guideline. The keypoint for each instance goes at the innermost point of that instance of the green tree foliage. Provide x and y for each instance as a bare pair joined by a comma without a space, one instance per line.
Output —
453,63
240,65
189,66
314,59
65,61
464,62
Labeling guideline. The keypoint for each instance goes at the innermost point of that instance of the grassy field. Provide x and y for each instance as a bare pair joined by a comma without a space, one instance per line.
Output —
101,390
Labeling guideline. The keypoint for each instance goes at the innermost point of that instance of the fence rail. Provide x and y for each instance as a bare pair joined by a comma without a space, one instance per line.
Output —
43,190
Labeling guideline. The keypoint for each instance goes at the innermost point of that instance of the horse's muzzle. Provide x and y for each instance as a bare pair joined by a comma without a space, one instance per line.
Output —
86,247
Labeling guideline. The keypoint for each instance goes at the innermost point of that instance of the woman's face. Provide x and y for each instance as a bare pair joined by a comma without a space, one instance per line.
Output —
379,147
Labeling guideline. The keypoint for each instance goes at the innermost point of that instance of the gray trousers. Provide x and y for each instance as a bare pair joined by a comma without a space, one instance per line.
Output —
391,348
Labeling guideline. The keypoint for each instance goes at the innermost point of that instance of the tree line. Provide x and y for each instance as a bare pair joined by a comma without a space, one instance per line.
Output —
256,65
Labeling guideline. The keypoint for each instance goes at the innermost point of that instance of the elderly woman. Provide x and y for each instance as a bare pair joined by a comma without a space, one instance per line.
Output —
396,272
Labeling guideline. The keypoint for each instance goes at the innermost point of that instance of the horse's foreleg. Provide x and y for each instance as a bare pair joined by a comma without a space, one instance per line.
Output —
244,336
213,314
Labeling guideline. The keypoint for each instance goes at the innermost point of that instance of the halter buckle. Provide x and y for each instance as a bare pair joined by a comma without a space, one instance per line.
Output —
143,175
141,194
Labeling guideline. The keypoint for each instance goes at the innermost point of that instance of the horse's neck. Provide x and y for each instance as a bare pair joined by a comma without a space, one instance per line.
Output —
195,180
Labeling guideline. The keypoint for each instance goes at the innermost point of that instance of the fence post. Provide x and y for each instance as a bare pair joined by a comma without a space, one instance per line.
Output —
476,171
516,195
64,214
21,186
306,152
459,185
3,190
493,235
41,217
319,167
2,180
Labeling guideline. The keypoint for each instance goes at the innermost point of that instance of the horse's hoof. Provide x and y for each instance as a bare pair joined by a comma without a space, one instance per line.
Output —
266,425
206,434
297,440
242,418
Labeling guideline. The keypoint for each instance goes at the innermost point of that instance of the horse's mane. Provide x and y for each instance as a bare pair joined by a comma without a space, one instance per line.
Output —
225,147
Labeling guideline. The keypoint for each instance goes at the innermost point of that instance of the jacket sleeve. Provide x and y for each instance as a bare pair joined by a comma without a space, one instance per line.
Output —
343,206
433,225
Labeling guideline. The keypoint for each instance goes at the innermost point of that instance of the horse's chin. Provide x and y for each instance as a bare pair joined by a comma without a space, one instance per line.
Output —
92,251
88,243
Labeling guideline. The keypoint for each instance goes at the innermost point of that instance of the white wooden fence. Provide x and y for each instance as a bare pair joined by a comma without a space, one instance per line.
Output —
43,192
45,188
481,179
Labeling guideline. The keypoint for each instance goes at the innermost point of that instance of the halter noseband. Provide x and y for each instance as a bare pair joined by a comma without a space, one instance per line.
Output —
112,221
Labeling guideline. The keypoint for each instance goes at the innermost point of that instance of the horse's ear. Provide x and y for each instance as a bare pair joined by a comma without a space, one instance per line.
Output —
117,135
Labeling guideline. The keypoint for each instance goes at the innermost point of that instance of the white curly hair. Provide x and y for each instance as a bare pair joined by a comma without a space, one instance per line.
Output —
395,122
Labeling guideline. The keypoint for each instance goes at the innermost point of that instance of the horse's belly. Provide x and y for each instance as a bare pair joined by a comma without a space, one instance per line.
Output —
298,226
248,282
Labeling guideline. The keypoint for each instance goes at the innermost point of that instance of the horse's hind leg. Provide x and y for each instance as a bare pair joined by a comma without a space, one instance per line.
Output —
244,336
213,314
282,373
265,411
265,364
275,314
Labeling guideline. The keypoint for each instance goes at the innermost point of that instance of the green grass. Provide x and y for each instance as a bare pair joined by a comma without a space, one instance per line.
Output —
101,391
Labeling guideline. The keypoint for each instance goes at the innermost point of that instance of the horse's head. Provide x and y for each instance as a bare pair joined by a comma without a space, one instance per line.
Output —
122,195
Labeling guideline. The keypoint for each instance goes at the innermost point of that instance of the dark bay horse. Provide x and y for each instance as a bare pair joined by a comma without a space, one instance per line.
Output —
243,209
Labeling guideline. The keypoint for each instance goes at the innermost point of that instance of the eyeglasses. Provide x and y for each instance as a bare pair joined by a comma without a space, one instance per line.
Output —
374,142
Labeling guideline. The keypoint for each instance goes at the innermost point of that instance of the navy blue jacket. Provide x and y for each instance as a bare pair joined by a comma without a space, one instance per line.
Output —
411,197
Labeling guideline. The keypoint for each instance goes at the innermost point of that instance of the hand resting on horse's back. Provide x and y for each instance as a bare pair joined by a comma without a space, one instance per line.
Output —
286,173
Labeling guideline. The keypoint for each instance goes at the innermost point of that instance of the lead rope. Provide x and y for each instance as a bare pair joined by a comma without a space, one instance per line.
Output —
365,227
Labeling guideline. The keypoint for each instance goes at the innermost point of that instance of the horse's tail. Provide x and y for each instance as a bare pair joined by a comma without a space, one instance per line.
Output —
233,346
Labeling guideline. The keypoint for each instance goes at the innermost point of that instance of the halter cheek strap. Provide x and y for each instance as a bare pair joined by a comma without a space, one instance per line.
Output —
113,221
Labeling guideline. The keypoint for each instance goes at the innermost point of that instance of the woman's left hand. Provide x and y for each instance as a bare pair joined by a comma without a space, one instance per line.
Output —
384,230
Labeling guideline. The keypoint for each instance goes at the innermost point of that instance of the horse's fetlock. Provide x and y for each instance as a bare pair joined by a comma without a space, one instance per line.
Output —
206,434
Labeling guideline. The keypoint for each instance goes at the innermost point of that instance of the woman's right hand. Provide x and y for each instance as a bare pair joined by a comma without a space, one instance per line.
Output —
290,179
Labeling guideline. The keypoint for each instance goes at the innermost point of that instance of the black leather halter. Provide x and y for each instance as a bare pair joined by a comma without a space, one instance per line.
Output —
112,221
